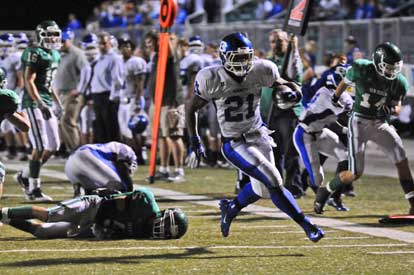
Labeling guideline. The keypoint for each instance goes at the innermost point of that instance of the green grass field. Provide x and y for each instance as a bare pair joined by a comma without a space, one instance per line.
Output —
256,245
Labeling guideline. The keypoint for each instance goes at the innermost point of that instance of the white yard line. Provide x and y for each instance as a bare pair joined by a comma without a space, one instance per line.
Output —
393,234
219,247
297,232
390,252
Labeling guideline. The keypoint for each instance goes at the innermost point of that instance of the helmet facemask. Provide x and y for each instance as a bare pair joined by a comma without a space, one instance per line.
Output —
50,38
239,62
388,71
172,224
3,83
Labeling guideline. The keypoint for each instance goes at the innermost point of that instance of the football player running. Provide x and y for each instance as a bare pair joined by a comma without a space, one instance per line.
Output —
109,165
235,89
9,102
379,90
312,138
132,215
39,64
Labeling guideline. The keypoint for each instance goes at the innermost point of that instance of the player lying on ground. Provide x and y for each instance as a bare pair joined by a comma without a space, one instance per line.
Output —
9,102
234,87
117,216
379,90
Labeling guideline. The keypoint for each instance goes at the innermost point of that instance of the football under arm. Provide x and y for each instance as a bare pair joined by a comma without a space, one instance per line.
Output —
191,108
20,120
290,84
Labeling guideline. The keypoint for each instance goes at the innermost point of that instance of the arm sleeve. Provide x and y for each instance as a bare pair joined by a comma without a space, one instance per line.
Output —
30,58
270,73
201,84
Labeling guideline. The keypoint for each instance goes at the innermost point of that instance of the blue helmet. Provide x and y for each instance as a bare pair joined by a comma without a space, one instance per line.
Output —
6,44
90,45
67,34
195,44
337,74
138,123
237,54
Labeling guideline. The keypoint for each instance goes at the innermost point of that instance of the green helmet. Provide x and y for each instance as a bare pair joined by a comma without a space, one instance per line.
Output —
387,59
172,224
49,35
3,78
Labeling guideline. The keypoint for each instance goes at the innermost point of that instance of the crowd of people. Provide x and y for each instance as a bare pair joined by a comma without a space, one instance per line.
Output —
275,120
127,13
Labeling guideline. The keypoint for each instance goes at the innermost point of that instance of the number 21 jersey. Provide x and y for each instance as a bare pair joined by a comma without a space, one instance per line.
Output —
236,103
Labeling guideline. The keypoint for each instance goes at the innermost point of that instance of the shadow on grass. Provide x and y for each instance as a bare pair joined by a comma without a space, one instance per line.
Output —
201,253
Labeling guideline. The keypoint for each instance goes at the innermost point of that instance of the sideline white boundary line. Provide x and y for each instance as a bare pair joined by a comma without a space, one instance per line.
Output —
393,234
198,247
390,252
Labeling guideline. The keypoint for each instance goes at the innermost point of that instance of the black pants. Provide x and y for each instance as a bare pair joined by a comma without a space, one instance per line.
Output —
105,125
286,156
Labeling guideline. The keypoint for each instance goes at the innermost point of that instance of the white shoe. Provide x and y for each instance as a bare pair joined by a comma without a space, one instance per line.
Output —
176,178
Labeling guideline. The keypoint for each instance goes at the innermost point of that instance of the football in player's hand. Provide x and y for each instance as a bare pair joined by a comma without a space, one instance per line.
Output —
284,96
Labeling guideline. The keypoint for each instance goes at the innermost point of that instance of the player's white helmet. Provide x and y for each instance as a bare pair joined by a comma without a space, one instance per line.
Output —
172,224
196,45
6,44
49,35
237,54
90,46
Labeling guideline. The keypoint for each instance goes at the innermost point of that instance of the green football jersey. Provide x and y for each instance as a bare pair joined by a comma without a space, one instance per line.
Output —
372,91
9,101
45,64
137,216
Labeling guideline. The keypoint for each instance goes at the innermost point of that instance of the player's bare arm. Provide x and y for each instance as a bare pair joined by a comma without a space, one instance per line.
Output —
139,90
20,120
29,83
340,89
192,106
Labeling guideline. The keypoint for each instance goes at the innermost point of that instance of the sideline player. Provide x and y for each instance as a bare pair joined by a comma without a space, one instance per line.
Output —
379,90
235,88
132,93
133,215
9,102
109,165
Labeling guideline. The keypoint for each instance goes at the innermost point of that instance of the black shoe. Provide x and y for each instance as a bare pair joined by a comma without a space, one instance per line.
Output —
348,190
322,197
296,191
39,196
22,181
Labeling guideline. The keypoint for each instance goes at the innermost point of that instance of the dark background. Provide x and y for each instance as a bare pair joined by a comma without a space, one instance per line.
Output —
26,14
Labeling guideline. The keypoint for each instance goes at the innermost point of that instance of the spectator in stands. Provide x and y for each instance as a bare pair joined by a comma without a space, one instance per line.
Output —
212,8
351,46
367,9
310,51
267,8
330,10
73,22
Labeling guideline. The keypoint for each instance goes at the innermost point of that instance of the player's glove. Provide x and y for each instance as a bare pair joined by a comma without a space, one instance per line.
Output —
335,101
196,152
46,112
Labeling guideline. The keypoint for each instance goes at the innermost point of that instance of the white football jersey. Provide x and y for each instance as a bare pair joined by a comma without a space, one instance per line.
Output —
111,151
132,67
189,65
12,65
321,112
237,104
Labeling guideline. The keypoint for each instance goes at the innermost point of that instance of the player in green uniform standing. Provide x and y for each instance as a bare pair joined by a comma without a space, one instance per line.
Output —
134,215
39,64
9,102
379,90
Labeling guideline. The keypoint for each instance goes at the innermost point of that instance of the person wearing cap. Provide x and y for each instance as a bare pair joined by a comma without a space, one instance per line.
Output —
351,46
67,78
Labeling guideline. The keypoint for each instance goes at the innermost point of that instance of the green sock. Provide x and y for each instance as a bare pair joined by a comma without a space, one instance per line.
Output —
21,212
334,184
34,168
23,225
